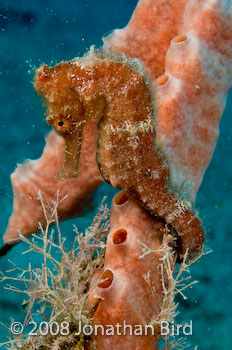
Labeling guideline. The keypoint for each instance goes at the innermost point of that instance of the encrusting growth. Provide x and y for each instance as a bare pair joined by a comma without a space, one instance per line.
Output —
116,95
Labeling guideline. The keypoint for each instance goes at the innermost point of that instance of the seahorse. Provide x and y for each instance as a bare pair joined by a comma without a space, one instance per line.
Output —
115,92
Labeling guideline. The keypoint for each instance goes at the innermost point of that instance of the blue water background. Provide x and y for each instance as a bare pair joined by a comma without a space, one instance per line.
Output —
35,32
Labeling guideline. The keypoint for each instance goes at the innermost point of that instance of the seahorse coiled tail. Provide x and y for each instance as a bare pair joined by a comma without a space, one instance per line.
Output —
115,93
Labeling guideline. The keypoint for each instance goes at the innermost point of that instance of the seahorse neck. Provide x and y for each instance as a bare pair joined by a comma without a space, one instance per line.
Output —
128,99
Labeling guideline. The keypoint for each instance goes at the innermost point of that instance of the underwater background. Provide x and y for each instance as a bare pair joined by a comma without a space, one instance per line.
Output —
33,32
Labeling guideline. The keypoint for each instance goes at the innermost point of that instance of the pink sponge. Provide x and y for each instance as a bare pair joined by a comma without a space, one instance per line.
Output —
191,94
41,174
128,292
149,32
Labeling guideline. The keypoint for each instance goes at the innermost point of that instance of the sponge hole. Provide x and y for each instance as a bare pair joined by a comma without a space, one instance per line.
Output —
106,279
179,38
121,198
119,236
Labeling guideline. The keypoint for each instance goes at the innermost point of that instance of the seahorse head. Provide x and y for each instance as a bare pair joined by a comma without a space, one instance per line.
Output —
71,97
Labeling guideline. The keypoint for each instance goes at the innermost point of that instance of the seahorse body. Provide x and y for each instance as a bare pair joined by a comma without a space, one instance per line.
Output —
116,94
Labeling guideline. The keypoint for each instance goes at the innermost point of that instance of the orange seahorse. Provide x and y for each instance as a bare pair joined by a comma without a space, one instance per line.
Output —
115,92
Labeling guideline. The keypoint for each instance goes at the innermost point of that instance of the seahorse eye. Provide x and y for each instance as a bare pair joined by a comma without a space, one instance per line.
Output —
63,124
